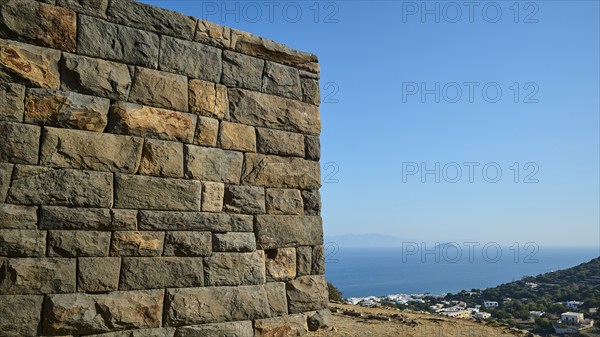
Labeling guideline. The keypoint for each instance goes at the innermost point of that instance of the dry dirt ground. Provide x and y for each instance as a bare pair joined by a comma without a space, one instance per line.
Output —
407,324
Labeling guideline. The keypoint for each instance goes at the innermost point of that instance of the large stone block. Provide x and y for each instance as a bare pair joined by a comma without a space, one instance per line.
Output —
307,293
18,217
21,314
66,109
137,243
242,71
19,143
276,231
94,76
188,243
63,187
157,193
159,89
234,242
98,274
123,219
228,269
318,260
215,304
12,96
161,158
22,243
269,111
38,23
284,201
282,81
208,99
212,196
90,150
287,326
310,91
151,18
29,65
78,243
98,38
276,296
158,332
319,320
312,202
5,178
240,137
88,7
280,264
304,260
226,329
207,131
213,34
244,199
277,142
215,222
312,147
56,217
195,60
88,314
138,120
274,171
37,276
210,164
161,272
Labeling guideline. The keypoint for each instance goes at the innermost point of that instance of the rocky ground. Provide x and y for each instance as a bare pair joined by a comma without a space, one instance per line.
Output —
355,321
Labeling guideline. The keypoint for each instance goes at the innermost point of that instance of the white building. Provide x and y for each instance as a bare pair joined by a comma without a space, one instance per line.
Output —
482,315
490,304
572,322
536,314
575,305
571,318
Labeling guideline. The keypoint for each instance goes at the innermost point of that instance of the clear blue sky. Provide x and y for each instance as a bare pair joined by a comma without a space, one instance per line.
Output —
373,50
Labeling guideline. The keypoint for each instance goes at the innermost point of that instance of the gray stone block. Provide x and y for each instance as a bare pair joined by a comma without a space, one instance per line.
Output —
307,293
37,276
276,231
208,164
188,243
195,60
216,222
18,217
242,71
21,314
98,274
78,243
161,272
22,243
157,193
234,242
12,98
282,81
19,143
228,269
244,199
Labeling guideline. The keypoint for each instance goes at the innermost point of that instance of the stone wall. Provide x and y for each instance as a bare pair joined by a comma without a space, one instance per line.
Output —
159,176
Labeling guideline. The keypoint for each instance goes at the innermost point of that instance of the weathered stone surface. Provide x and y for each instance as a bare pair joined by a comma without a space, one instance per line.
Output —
98,38
313,147
37,276
137,243
318,260
226,329
312,202
288,326
158,332
20,314
5,177
18,217
270,50
258,109
244,199
55,217
276,231
215,304
207,131
159,89
277,298
310,91
161,158
22,243
216,222
123,219
234,242
212,196
239,137
64,187
228,269
12,96
29,65
281,264
282,81
274,171
95,76
161,272
280,142
304,260
78,243
66,109
284,201
307,293
144,121
151,18
188,243
242,71
19,143
319,320
208,99
88,7
98,274
213,164
156,193
213,34
192,59
88,314
38,23
91,150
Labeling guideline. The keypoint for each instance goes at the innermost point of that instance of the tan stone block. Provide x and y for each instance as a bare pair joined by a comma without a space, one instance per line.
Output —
207,131
239,137
212,196
161,158
281,264
29,65
208,99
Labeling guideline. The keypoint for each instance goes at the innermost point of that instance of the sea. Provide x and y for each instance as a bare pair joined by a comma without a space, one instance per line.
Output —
361,272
